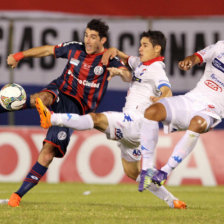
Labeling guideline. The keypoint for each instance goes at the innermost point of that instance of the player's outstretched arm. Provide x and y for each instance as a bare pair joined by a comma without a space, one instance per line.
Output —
36,52
189,62
113,52
124,73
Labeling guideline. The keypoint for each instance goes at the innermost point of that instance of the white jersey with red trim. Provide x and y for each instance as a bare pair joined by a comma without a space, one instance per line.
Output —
147,79
210,88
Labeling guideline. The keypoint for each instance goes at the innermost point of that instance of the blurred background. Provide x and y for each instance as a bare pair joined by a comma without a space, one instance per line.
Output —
188,26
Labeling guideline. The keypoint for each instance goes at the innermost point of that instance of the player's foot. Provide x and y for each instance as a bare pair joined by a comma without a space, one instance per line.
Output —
45,114
14,200
159,178
179,204
145,181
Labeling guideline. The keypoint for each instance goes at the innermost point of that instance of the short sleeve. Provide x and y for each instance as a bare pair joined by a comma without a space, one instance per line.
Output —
62,50
207,53
115,62
133,62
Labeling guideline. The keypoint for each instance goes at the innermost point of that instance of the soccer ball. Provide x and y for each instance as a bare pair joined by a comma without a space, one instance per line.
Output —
12,97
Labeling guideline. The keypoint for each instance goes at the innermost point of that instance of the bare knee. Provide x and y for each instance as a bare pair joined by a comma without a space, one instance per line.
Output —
198,124
156,112
46,155
46,97
100,121
131,169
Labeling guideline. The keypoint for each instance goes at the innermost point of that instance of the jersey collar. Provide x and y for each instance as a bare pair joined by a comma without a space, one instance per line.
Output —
149,62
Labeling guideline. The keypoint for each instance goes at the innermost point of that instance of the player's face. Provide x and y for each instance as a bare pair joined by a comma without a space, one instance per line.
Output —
147,51
93,42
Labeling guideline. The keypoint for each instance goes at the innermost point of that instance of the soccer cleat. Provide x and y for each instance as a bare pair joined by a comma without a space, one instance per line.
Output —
14,200
159,178
45,114
145,181
179,204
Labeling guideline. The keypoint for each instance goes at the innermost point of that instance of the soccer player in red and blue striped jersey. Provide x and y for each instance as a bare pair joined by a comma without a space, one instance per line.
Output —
79,89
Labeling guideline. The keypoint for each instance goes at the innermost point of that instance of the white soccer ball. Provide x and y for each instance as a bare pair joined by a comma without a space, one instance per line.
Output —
12,97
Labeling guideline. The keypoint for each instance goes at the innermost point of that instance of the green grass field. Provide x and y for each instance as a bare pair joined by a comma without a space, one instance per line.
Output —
110,204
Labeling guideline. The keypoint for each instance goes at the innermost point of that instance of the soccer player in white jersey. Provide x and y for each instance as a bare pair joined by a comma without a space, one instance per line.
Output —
197,111
149,83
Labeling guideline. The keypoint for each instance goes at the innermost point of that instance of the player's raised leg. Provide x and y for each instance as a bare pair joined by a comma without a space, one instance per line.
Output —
71,120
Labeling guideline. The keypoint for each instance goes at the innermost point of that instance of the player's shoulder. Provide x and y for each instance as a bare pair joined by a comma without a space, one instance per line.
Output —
134,59
71,44
157,65
220,42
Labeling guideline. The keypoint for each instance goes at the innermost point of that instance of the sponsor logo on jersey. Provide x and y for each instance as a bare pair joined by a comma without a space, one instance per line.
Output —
217,80
86,66
134,78
98,70
74,61
218,64
62,135
213,85
211,106
118,133
127,118
85,82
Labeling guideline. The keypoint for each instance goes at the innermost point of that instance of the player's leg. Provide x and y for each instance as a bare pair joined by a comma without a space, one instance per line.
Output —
149,133
132,167
195,123
56,143
149,137
71,120
36,173
46,97
184,147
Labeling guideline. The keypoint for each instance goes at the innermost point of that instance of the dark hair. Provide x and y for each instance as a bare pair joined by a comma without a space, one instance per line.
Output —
156,38
99,26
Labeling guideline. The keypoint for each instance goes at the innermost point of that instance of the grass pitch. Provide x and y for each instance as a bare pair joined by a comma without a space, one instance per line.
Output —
110,204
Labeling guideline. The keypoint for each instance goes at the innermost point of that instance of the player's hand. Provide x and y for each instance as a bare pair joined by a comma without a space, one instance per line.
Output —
11,61
186,64
154,98
113,72
108,55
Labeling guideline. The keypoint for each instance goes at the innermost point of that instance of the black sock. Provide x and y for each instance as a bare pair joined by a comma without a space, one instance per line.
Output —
32,178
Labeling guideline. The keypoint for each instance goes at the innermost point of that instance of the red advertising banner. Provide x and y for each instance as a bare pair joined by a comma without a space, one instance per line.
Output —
91,158
159,8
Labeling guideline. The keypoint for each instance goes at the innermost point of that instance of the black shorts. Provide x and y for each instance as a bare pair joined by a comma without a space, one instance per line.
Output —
60,136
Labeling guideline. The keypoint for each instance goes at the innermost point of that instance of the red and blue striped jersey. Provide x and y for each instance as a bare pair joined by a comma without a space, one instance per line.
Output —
84,77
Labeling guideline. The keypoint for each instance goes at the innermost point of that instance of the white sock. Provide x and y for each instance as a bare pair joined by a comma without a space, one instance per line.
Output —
162,193
149,138
75,121
181,150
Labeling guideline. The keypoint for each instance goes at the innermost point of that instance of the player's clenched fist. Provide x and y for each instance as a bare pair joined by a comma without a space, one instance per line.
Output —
11,61
186,64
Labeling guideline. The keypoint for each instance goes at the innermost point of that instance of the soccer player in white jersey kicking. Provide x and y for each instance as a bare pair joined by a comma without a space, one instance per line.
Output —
197,111
149,83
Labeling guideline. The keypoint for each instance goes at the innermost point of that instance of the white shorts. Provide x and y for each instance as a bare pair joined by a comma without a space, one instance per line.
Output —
181,109
125,128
